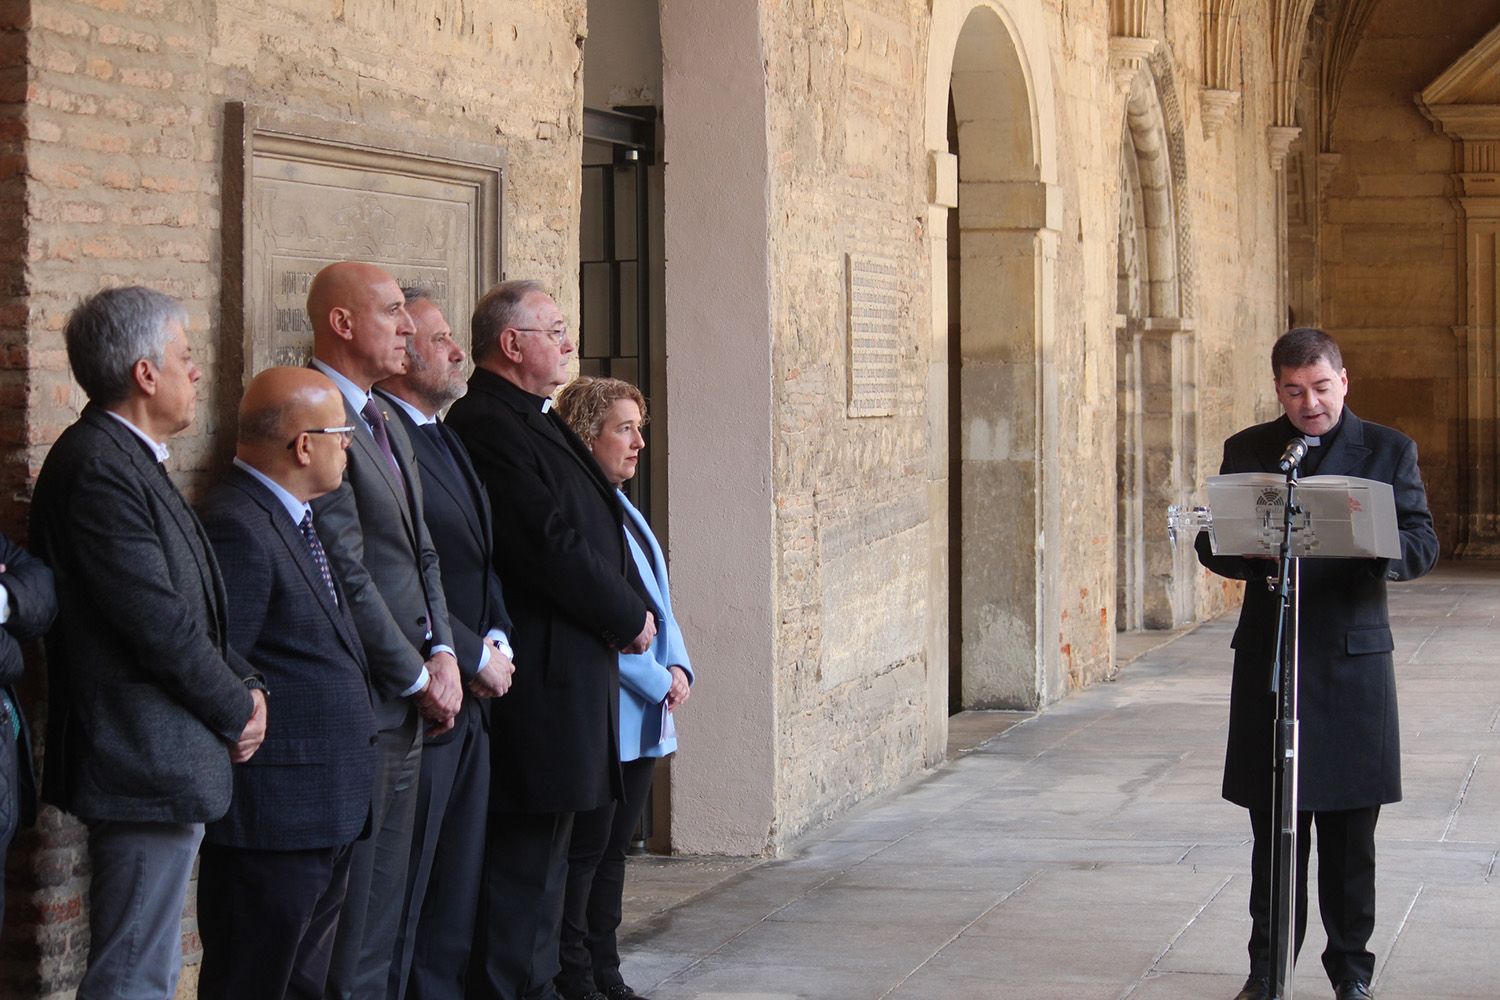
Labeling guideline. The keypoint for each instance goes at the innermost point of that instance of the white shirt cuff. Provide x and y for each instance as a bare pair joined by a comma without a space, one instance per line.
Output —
419,686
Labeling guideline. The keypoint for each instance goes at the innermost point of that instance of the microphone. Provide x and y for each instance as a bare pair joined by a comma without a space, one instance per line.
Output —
1291,457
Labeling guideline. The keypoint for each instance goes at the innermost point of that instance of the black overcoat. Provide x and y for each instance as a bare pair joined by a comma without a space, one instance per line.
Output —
572,592
1350,738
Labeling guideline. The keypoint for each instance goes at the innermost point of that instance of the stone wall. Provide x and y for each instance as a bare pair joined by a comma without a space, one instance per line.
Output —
1235,216
851,506
1390,235
846,98
123,158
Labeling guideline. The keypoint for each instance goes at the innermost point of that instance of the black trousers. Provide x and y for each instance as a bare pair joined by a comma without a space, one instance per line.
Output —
520,907
267,920
447,855
590,954
1346,889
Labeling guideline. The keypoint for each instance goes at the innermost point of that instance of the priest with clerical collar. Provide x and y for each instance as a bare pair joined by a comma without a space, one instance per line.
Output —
1350,755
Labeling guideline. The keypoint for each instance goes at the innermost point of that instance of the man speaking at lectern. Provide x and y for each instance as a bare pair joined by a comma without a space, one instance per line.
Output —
1350,760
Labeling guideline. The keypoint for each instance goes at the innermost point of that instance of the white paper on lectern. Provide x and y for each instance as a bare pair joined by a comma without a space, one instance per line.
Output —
1342,517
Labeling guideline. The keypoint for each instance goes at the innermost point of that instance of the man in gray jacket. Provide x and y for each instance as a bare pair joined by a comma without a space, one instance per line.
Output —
381,553
148,706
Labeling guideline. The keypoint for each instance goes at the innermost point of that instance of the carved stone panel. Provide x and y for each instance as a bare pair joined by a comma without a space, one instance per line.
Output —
875,312
302,194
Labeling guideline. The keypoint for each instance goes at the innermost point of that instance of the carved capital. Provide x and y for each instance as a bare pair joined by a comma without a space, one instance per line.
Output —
1217,106
1127,57
1279,139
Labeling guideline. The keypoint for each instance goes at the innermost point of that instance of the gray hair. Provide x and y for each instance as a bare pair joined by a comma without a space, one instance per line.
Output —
497,310
108,332
418,293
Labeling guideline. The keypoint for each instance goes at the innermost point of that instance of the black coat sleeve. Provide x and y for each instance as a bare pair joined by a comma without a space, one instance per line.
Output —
33,605
1419,543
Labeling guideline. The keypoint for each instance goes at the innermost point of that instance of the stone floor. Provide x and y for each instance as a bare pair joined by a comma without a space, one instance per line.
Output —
1085,852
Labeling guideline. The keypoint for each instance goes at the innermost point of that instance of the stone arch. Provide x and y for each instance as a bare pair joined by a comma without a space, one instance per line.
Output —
993,504
1155,355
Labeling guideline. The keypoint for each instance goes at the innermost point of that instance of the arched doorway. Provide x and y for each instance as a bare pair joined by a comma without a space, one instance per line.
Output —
993,230
1155,359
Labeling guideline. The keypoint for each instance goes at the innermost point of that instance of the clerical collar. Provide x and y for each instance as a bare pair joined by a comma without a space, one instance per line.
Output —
1324,440
546,403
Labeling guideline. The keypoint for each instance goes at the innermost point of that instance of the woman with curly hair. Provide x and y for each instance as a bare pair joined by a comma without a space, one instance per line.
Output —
608,415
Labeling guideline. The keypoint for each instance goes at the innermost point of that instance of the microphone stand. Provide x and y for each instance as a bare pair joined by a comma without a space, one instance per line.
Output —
1284,685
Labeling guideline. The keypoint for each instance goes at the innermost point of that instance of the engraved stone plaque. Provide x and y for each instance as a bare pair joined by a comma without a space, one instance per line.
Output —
874,303
314,192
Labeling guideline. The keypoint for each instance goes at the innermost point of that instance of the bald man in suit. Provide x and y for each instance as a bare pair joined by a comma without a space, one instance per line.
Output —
382,555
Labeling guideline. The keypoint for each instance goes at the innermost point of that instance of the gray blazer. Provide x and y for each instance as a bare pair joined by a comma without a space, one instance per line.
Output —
145,695
379,549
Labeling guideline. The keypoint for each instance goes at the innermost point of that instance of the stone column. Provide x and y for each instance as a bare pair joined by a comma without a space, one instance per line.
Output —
1279,139
719,381
942,198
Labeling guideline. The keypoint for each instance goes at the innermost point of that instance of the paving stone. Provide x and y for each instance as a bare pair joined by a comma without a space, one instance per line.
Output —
1086,852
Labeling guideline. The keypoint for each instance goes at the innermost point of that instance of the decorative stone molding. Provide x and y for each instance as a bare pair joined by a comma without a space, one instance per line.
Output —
1221,34
1339,44
1128,18
1127,57
1216,107
1279,139
1289,19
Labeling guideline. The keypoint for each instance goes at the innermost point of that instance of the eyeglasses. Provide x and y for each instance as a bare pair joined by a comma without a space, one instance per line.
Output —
557,333
345,433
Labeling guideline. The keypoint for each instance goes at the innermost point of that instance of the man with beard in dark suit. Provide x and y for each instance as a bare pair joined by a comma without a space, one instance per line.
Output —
1350,739
576,600
442,882
273,871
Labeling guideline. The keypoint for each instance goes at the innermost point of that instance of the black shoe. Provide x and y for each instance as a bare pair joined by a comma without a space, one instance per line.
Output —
619,991
1352,989
1256,988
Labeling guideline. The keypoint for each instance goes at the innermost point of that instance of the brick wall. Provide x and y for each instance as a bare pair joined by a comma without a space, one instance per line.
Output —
122,153
14,18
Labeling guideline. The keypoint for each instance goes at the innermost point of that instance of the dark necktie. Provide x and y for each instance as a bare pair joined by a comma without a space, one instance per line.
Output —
438,434
376,420
435,433
315,546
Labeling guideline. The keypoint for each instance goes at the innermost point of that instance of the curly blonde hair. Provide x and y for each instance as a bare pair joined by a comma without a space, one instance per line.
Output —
585,401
